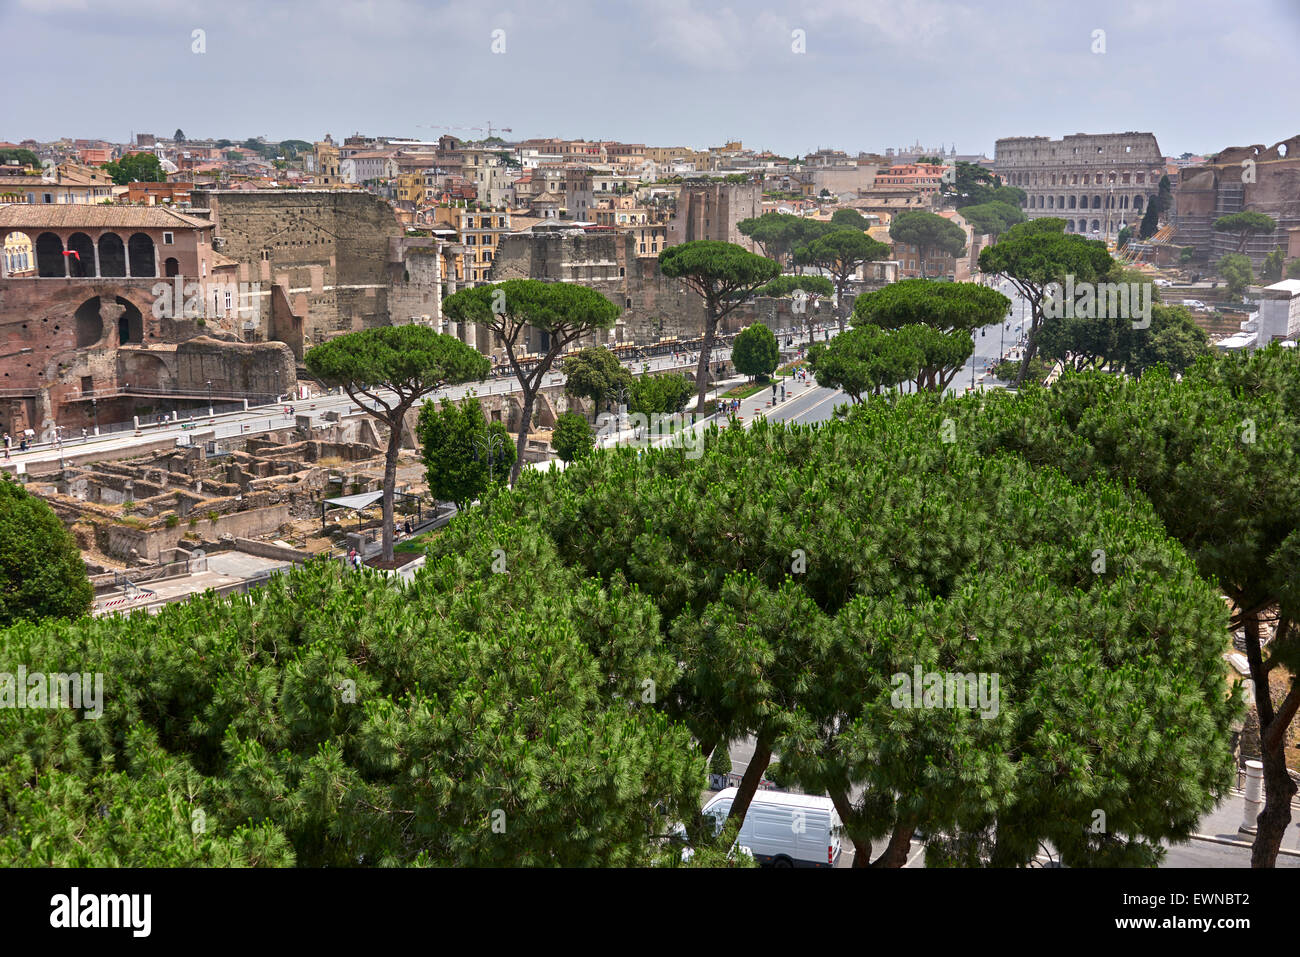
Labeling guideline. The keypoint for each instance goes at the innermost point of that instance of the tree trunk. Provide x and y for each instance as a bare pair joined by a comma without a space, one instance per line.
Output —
1031,343
525,427
706,350
840,305
1271,825
900,842
390,477
753,774
861,845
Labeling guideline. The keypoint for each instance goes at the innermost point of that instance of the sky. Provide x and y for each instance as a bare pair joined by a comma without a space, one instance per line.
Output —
858,74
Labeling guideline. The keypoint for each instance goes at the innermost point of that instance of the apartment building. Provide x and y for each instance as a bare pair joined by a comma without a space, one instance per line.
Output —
479,230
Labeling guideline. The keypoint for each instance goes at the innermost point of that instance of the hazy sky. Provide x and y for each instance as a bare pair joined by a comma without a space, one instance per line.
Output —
1200,74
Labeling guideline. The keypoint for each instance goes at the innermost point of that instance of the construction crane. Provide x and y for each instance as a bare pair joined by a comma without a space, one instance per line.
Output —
489,129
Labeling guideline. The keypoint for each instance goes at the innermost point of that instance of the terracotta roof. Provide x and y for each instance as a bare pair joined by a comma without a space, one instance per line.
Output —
74,215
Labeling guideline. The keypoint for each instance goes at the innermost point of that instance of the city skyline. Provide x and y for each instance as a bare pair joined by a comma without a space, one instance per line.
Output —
873,76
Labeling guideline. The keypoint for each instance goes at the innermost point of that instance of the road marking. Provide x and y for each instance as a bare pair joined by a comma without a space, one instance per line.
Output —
812,408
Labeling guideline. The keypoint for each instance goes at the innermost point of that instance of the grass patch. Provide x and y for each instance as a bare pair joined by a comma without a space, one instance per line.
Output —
745,391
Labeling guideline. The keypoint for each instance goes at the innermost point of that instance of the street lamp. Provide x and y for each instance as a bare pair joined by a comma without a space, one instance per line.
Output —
94,408
491,445
210,412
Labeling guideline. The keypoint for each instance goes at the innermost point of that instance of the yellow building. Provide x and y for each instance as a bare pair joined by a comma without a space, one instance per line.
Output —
326,165
19,257
479,230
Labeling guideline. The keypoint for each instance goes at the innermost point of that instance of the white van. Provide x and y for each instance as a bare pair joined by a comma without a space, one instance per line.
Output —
784,830
1194,304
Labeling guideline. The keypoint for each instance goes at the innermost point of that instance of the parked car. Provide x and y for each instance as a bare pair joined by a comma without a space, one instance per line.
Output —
1194,304
1164,282
784,830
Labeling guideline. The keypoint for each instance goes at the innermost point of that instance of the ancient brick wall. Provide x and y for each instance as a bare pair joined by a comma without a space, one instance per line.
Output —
1240,178
654,306
328,249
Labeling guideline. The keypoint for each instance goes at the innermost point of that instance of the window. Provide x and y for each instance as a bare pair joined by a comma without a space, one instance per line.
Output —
169,239
229,301
48,198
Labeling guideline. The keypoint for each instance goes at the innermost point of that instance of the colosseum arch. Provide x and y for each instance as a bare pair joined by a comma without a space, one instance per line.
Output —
49,257
112,255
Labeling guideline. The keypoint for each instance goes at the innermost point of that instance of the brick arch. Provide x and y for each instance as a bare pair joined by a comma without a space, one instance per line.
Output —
141,255
89,323
112,255
49,256
83,263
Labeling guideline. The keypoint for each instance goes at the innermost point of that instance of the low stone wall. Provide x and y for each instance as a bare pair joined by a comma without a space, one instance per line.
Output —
120,540
270,550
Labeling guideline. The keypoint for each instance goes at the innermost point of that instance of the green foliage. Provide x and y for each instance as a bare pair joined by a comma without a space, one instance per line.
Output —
1150,222
951,311
1124,236
1245,225
660,394
992,218
1293,269
410,361
815,287
849,219
136,168
172,521
1173,339
779,234
572,437
1236,270
755,351
332,720
595,373
944,305
865,360
1164,195
723,274
42,575
841,252
974,185
565,311
1187,254
24,157
1271,269
929,233
1008,370
462,452
914,546
1038,253
720,760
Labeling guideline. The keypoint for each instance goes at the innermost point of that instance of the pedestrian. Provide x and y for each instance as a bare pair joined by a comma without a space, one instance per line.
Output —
83,433
8,442
22,445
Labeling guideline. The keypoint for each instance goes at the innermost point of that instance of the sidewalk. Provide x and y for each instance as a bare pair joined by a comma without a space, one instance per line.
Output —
1221,824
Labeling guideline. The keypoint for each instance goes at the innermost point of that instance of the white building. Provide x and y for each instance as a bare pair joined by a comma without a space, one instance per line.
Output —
1279,311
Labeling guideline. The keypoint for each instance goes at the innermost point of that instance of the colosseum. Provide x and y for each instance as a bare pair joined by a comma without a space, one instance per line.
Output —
1097,183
